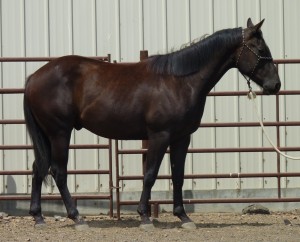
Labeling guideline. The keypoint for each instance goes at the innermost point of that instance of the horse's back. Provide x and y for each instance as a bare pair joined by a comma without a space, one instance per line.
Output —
74,91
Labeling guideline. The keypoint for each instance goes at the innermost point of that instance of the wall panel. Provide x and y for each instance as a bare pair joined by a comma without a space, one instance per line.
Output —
292,73
13,75
123,28
201,25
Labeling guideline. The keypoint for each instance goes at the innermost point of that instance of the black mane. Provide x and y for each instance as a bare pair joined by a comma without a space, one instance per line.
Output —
188,60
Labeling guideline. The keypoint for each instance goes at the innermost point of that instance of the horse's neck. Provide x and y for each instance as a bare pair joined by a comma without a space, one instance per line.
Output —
210,73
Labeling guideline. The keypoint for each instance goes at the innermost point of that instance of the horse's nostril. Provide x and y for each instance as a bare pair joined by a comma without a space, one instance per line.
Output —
277,86
271,88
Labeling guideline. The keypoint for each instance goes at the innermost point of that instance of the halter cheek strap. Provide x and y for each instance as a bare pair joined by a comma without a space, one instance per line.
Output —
257,55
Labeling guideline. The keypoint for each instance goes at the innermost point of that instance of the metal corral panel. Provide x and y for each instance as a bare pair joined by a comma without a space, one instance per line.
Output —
291,76
123,28
13,75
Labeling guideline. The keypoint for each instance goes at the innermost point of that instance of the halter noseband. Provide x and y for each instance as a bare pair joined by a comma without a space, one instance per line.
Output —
257,55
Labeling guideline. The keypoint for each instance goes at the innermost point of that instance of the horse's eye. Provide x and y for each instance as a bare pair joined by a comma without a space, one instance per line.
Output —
260,44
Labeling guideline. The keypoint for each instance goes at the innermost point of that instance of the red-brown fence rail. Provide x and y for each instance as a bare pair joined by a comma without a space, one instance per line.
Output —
278,174
108,147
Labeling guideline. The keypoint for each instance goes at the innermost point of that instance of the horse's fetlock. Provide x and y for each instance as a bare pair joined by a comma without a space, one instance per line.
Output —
73,214
142,210
179,210
35,210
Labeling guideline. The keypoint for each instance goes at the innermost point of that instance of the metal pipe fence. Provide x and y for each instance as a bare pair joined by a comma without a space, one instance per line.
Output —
278,174
118,152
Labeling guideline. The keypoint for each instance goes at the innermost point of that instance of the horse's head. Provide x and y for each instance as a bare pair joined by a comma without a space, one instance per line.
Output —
254,59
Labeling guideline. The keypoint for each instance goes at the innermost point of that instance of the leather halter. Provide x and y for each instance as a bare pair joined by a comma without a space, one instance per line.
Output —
257,55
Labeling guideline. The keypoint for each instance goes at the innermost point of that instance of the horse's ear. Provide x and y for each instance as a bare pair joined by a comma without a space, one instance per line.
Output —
249,23
255,28
258,26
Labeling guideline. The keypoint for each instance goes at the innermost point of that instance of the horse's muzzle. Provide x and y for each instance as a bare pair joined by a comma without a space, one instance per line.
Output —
271,88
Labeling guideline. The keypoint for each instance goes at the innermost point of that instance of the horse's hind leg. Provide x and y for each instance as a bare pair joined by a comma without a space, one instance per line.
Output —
178,152
59,161
35,204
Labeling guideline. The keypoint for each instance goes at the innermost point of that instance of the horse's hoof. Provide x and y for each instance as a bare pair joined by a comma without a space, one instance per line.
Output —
81,226
189,225
147,227
40,226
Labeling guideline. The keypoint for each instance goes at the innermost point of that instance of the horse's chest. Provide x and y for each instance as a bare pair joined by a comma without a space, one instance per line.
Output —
191,118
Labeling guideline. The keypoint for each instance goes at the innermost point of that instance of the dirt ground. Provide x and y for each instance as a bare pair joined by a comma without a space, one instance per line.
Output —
210,227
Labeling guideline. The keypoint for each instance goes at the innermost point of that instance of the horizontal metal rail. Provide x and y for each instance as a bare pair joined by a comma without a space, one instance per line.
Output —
204,125
75,146
42,59
218,200
214,150
214,94
218,175
56,197
70,172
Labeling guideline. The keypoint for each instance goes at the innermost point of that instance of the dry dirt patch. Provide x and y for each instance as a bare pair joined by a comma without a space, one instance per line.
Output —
210,227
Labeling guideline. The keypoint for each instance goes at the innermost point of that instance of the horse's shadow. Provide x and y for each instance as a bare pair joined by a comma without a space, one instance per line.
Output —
134,223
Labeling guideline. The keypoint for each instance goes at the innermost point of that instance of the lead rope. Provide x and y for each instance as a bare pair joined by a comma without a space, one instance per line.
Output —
251,95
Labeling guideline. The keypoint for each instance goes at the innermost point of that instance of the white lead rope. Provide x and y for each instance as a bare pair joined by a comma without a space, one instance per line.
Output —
252,96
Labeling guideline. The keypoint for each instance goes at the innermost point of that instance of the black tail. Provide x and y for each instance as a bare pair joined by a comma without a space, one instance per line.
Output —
40,142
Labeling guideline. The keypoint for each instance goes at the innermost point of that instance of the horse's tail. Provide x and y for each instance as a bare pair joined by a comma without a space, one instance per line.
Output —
39,140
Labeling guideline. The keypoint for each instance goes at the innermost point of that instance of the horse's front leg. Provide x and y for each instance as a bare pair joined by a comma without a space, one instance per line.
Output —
178,152
157,146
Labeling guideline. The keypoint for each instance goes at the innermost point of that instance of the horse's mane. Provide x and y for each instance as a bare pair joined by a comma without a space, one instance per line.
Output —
189,59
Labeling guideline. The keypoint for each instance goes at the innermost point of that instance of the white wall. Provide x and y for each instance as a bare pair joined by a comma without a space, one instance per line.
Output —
123,28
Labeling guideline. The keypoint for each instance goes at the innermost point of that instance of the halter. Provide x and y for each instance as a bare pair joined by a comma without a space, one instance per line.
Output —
256,64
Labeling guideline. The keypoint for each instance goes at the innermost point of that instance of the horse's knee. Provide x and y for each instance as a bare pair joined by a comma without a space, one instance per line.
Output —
149,179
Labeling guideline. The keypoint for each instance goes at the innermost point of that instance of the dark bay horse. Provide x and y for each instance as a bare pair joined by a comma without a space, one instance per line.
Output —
160,99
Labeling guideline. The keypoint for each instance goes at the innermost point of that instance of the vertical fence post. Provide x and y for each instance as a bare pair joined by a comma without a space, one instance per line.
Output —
111,185
117,180
278,145
143,56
